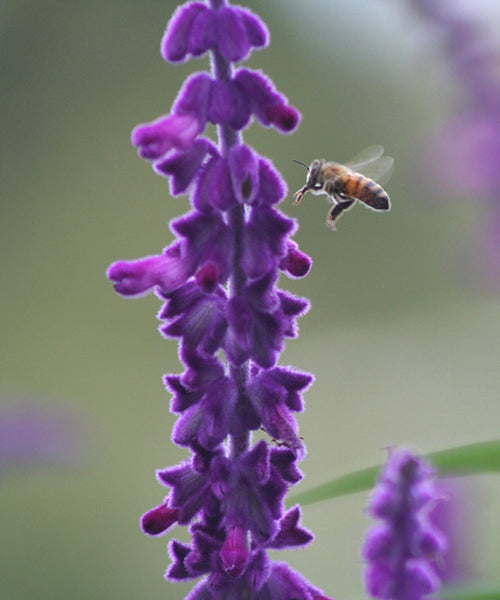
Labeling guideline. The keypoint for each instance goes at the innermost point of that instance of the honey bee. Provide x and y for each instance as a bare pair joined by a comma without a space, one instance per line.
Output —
345,184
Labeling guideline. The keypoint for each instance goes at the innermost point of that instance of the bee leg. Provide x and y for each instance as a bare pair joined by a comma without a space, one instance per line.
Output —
299,194
337,210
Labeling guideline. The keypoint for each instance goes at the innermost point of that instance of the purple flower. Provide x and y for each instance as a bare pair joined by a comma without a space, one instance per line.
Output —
155,139
157,520
465,151
218,279
234,552
137,277
402,549
459,522
195,28
33,434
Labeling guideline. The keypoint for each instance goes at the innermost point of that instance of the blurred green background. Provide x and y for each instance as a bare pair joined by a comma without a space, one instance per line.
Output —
402,336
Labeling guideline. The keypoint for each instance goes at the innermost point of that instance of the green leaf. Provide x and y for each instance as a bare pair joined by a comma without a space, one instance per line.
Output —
483,457
470,594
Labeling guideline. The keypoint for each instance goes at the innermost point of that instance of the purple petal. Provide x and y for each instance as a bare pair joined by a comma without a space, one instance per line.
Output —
420,580
378,543
379,581
157,520
285,118
158,137
234,552
279,422
134,278
296,264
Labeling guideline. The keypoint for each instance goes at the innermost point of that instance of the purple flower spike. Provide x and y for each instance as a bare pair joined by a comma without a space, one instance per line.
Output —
219,281
464,158
403,550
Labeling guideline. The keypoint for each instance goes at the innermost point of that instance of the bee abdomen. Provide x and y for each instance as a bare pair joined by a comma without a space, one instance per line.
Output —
367,191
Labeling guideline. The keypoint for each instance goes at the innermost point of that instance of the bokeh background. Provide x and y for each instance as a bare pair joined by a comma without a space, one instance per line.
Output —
402,335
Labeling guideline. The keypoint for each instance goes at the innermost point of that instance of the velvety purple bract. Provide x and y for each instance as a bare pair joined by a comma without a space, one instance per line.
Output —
218,280
266,104
194,29
289,533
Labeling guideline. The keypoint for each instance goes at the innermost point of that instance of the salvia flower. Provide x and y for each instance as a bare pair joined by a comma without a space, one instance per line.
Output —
402,549
218,279
465,154
33,434
458,518
469,145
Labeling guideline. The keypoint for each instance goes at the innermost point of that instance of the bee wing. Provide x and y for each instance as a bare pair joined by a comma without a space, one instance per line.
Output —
364,157
380,170
372,164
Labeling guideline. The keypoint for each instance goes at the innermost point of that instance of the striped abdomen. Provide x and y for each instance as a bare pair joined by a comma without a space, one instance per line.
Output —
355,185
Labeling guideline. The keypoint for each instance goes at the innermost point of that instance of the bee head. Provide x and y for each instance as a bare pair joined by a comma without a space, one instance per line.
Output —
315,178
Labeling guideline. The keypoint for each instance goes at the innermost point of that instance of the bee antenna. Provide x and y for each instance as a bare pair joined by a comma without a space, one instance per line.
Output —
300,163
